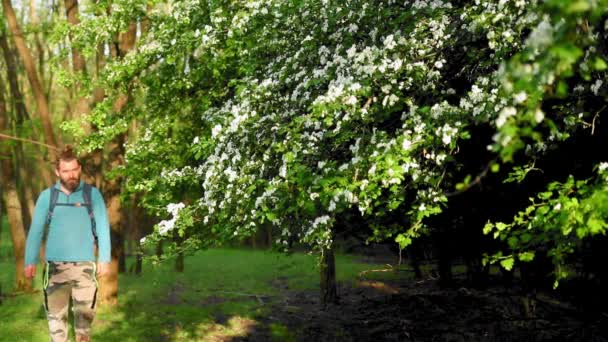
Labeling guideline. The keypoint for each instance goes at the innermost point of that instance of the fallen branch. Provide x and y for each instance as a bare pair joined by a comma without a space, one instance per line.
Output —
390,269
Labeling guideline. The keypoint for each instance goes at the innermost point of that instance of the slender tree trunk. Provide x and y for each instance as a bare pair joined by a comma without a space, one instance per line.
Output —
18,103
12,203
269,237
140,220
26,180
112,187
13,81
329,290
35,22
179,260
159,249
78,62
71,12
30,68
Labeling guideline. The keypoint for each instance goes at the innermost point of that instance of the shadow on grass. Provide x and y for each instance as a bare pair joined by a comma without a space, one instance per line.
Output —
224,295
370,310
179,315
264,305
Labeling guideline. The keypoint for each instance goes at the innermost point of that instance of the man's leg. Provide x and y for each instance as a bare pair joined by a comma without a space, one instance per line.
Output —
84,294
57,301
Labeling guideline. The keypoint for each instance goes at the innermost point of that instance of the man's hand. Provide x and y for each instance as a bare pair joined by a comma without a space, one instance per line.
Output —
30,271
103,268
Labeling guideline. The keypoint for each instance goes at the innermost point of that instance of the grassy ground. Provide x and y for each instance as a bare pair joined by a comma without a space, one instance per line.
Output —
223,294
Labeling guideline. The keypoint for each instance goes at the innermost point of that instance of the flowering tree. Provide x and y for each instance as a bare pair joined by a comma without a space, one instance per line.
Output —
303,114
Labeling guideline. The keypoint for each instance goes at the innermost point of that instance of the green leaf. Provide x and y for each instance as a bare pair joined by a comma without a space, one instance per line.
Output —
578,6
507,263
562,89
581,233
568,52
501,226
595,225
599,64
403,241
271,216
488,228
526,256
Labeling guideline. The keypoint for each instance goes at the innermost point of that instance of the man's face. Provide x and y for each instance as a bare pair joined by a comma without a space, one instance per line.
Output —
69,174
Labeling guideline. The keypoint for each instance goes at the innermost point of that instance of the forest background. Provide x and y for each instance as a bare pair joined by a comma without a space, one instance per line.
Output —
462,131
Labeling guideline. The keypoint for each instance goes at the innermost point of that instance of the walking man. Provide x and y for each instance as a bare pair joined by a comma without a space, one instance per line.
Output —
76,216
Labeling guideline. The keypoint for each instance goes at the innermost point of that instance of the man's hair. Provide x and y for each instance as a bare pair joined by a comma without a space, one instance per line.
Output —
66,155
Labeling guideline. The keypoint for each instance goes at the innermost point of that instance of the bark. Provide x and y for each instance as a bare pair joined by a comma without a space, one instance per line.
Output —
12,203
159,249
34,22
71,12
329,291
21,114
78,62
13,81
30,68
112,187
139,220
179,260
269,237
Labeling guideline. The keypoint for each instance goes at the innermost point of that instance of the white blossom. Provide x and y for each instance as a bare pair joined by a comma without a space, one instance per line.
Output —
595,88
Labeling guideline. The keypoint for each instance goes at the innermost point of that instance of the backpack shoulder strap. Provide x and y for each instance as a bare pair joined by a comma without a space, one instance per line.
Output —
52,203
86,194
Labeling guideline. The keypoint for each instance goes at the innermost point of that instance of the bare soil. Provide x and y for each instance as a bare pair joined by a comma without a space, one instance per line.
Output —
371,310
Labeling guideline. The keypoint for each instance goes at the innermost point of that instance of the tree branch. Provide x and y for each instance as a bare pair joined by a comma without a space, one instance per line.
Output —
5,136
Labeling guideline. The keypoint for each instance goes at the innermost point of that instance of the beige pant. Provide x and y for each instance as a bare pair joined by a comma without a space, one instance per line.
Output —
67,280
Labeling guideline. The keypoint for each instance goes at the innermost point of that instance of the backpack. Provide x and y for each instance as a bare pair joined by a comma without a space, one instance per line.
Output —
86,195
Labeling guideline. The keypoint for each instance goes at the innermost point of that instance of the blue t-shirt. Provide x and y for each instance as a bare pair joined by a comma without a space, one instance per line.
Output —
70,237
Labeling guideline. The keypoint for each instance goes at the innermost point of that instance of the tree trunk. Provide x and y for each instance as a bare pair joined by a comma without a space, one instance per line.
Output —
13,208
30,68
122,255
13,81
269,237
18,103
71,12
113,187
159,249
12,203
35,23
78,62
179,260
329,291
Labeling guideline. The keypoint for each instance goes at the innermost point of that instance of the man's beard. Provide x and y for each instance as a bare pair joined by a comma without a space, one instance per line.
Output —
70,184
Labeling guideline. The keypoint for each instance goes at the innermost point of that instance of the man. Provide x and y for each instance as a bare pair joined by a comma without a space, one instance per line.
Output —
76,216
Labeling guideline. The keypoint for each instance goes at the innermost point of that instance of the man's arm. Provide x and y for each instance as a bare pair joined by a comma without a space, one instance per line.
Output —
34,237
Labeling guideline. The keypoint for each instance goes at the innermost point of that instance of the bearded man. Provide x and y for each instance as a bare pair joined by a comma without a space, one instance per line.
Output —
77,221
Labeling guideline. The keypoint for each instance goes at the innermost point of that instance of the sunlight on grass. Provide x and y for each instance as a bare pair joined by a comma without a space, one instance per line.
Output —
236,326
224,293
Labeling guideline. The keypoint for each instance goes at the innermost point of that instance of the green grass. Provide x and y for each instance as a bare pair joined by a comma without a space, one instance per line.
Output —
223,293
